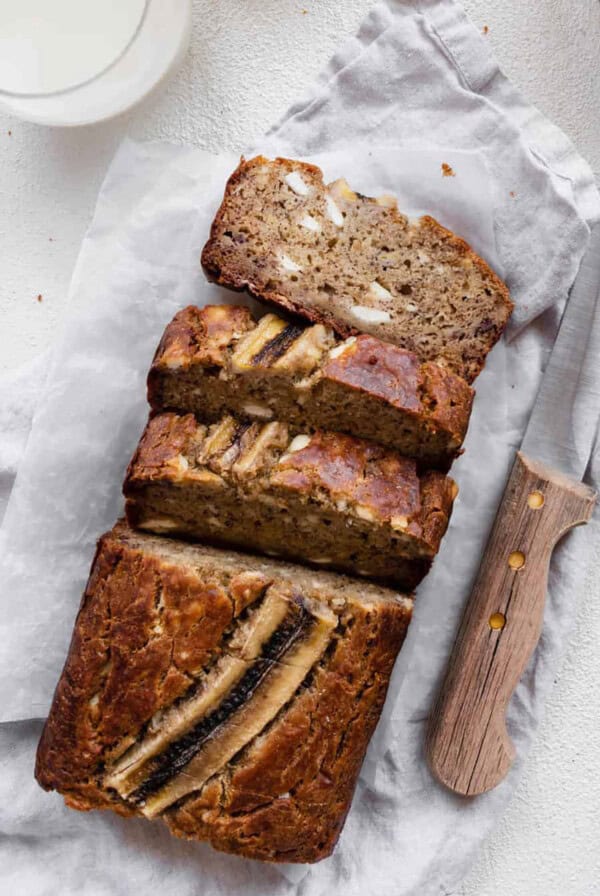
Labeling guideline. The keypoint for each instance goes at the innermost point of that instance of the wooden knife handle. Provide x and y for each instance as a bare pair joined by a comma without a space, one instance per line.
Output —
468,747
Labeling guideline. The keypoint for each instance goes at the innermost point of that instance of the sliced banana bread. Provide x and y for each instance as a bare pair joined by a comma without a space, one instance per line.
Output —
325,498
231,696
218,359
356,264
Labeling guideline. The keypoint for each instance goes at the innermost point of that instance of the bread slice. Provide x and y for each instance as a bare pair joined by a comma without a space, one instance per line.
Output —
217,360
355,264
326,499
231,696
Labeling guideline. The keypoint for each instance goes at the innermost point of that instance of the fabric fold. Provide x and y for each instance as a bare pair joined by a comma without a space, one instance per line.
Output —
418,74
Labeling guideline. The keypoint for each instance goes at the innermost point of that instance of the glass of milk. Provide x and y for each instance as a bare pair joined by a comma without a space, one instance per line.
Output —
73,62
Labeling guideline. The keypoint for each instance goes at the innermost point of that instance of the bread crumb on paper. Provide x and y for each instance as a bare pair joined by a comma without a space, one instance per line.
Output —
447,171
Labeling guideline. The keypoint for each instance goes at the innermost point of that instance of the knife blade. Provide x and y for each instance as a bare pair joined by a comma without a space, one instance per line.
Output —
468,747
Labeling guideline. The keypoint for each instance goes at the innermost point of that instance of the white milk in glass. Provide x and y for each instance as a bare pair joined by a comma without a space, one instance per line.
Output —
48,46
72,62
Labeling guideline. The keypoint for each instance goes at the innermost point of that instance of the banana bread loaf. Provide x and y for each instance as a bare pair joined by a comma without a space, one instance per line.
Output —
326,499
217,359
356,264
231,696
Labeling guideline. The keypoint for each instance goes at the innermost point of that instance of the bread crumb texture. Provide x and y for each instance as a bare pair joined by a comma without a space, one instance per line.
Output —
218,359
355,264
325,498
233,697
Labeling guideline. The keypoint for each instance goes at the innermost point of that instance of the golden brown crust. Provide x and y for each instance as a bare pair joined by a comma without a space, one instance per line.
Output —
448,398
164,439
438,493
463,346
380,368
137,642
152,613
274,781
365,387
355,471
201,335
390,373
267,476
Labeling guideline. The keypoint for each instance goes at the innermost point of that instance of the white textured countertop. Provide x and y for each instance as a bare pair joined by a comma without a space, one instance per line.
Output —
247,62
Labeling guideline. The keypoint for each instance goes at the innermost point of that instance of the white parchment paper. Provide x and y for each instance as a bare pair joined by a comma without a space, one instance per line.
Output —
139,264
417,74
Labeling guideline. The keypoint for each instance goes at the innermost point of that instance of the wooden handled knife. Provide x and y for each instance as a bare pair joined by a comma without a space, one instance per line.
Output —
468,747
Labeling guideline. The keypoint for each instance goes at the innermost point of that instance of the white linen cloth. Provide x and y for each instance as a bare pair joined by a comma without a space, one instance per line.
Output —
417,75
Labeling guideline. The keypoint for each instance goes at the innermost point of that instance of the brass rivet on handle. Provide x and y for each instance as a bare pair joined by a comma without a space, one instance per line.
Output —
497,620
536,500
516,560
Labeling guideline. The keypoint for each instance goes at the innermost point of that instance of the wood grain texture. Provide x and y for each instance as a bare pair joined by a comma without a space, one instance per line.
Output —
468,747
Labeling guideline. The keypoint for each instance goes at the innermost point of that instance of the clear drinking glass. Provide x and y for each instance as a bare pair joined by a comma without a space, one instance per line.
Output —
73,62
